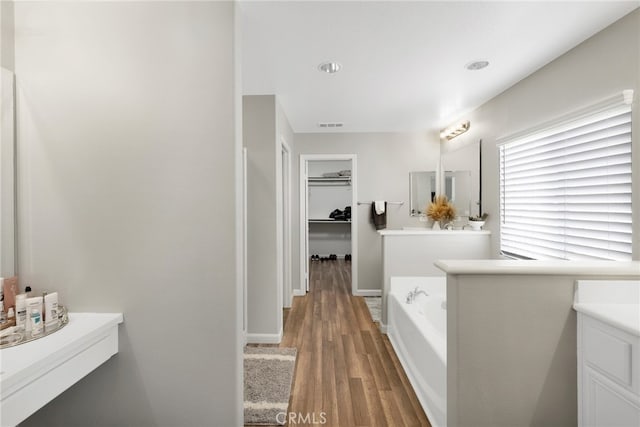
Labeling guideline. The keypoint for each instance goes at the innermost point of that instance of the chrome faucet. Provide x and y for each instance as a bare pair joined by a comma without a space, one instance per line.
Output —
414,294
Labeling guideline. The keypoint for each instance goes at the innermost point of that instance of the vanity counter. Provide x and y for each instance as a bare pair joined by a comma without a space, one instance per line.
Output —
417,231
34,373
614,302
625,317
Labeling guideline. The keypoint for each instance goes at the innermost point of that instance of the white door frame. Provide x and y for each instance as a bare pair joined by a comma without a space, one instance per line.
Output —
245,289
304,227
285,159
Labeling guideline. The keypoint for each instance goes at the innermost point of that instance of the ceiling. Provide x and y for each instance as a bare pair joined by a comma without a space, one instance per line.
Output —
403,63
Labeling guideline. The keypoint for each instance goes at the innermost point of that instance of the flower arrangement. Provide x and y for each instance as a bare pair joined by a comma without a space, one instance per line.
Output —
440,209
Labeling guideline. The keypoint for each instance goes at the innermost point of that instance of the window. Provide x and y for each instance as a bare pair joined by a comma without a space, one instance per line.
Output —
565,187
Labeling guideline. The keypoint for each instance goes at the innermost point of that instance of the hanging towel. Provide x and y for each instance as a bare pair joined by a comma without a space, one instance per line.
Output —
381,206
379,219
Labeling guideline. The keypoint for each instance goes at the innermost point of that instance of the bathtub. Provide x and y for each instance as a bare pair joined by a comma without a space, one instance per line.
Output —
418,333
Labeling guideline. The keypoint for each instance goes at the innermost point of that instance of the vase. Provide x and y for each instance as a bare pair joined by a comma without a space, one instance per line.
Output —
476,225
436,225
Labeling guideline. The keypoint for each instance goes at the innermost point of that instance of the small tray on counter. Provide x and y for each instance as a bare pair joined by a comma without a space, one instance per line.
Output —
18,337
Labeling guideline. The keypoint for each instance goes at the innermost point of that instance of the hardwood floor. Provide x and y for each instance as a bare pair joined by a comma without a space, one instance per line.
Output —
346,372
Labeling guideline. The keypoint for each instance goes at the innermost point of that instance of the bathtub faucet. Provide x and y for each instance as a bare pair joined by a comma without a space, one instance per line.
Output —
414,294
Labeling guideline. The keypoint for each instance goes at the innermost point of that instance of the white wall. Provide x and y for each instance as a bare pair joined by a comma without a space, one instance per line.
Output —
7,224
603,65
7,175
264,127
384,163
126,148
7,43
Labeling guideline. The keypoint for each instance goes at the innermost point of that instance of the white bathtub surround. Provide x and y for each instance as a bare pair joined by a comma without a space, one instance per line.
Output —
412,252
608,348
34,373
511,347
418,333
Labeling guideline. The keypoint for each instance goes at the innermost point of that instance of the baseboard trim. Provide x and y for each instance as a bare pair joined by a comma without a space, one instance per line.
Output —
367,292
299,293
264,338
383,327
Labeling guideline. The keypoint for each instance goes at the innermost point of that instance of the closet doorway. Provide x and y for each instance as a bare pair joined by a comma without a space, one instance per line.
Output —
328,215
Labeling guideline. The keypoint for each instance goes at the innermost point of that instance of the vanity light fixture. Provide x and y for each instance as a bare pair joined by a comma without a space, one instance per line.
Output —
455,130
329,67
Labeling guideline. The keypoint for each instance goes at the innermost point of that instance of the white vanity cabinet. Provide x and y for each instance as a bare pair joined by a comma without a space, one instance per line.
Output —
34,373
608,356
608,375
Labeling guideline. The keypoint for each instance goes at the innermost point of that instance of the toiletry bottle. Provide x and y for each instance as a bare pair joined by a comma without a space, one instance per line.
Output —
21,311
44,309
51,310
36,322
10,290
34,305
3,315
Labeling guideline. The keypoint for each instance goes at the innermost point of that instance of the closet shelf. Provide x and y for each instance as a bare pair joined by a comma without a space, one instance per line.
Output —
327,221
323,179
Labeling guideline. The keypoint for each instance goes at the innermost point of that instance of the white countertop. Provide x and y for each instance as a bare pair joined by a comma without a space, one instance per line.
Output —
615,302
20,360
548,268
45,367
429,232
621,316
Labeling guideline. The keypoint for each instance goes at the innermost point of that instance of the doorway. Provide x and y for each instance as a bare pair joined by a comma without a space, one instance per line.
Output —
328,216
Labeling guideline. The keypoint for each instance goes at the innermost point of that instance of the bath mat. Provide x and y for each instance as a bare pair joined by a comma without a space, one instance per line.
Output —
374,304
268,372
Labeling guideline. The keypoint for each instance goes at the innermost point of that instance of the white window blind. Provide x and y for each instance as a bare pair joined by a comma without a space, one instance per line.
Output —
565,188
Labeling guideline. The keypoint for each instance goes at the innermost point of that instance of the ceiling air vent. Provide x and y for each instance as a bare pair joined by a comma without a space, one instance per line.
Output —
330,125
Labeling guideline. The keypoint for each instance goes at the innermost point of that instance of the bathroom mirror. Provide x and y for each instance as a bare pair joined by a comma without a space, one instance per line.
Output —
422,189
461,162
457,188
7,175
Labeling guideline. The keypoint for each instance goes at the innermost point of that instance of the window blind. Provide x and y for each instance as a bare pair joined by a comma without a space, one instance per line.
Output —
565,190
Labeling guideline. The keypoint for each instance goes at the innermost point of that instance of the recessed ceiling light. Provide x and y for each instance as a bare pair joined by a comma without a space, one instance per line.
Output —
329,67
477,65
